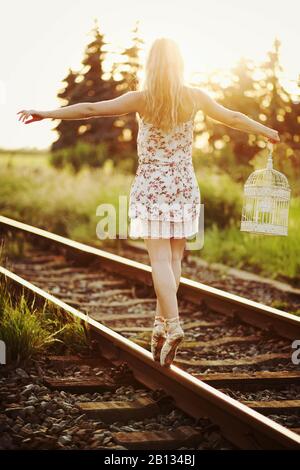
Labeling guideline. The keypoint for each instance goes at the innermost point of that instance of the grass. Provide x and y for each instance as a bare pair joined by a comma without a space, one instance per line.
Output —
66,203
28,330
59,200
274,257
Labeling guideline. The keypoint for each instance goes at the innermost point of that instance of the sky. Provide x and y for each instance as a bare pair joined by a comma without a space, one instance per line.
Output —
40,40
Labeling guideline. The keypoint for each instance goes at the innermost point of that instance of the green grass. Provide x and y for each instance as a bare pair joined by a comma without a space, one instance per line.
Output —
66,203
274,257
59,201
28,330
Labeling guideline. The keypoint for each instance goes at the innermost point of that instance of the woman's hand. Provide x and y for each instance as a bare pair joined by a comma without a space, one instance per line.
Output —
273,136
25,114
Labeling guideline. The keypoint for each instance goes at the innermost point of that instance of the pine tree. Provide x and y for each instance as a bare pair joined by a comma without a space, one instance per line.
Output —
128,69
66,129
258,92
89,85
239,95
94,87
280,111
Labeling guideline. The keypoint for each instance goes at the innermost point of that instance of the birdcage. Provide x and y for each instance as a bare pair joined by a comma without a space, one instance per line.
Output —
266,202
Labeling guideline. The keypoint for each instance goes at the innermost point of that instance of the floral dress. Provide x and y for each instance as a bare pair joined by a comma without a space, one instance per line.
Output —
164,199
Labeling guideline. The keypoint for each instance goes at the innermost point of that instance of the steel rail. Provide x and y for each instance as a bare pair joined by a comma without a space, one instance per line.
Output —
249,311
238,423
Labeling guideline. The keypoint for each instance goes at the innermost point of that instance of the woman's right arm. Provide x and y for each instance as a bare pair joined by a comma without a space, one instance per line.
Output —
233,119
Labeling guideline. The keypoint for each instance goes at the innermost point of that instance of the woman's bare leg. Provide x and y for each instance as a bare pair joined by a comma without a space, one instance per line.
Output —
160,254
177,247
158,310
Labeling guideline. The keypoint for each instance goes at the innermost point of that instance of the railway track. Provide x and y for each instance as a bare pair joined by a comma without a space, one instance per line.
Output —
235,364
88,402
270,292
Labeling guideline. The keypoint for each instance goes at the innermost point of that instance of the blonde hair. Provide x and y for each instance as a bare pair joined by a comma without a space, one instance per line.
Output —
165,93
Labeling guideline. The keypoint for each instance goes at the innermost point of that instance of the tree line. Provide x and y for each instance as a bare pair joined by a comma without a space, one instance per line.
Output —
255,89
92,141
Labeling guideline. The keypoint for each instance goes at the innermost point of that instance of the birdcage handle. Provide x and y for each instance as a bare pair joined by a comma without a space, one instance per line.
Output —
270,157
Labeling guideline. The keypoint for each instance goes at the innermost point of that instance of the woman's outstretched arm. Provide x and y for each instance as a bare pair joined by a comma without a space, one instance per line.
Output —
124,104
234,119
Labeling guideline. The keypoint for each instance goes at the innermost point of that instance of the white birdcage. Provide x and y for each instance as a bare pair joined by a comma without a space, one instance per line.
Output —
266,202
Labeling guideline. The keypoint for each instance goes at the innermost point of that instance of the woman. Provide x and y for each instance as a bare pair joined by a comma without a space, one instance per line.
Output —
164,199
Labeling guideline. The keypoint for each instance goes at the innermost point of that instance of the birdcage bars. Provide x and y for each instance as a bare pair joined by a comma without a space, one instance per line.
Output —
266,202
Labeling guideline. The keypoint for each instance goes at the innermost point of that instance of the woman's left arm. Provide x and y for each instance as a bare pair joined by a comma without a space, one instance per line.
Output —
124,104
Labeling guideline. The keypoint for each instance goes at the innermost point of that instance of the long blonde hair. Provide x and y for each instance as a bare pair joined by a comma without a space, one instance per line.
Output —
165,93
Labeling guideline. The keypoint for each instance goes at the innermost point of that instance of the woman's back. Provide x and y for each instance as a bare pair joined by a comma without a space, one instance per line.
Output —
186,110
165,188
155,145
174,145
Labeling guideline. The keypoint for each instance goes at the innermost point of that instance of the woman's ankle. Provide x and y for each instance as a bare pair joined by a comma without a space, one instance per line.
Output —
172,319
158,319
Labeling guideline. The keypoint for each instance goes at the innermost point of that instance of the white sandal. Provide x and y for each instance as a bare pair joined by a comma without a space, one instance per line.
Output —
158,337
175,335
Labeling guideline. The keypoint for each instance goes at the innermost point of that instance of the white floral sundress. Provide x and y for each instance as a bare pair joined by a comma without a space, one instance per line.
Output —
164,199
